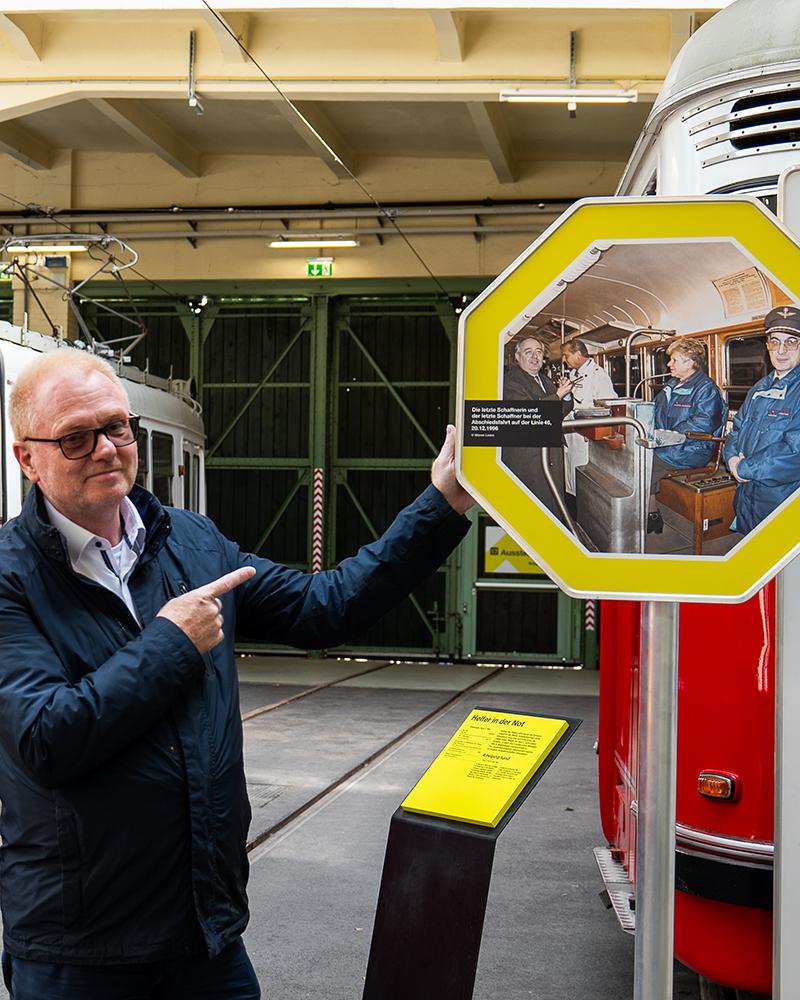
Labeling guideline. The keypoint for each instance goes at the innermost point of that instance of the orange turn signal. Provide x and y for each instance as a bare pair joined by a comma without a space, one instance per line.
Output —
718,785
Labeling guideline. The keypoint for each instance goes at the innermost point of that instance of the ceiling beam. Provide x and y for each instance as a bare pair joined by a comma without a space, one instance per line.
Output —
24,32
19,143
449,35
137,6
25,97
229,30
321,136
492,132
152,133
682,27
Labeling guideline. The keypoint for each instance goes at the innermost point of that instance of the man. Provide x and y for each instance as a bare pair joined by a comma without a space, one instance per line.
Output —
123,867
763,449
525,380
588,382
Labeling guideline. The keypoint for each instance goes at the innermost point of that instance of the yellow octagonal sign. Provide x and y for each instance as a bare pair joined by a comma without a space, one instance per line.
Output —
629,398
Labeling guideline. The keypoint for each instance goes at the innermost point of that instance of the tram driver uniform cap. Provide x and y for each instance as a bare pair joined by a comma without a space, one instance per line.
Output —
784,319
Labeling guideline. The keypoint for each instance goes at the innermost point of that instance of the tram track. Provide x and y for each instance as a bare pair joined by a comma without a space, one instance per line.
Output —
257,846
263,709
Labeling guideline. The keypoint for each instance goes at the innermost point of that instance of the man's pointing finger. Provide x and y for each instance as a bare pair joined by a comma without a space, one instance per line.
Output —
227,582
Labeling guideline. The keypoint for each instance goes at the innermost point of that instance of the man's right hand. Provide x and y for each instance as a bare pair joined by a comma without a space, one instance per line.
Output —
199,613
565,386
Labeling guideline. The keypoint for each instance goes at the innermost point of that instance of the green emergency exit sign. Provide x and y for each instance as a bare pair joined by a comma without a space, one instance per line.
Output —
319,267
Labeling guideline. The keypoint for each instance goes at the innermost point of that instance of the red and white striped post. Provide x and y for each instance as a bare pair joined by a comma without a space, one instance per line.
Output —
317,515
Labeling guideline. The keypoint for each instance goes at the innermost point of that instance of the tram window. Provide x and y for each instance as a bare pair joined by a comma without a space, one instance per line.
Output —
162,466
187,481
195,482
141,445
658,367
747,363
771,202
763,188
615,365
659,361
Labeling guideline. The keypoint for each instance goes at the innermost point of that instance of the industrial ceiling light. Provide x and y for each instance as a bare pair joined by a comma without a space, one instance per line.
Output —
40,248
194,100
569,95
311,243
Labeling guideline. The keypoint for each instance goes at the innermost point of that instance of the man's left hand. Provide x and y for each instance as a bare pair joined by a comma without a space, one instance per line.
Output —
733,468
443,475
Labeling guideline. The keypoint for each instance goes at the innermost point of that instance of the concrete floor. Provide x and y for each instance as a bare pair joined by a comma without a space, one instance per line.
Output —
314,885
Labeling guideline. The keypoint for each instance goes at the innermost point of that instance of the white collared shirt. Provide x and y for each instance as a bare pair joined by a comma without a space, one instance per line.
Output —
96,558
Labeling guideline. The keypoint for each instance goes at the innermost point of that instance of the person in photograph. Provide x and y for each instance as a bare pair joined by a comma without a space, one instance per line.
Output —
689,402
523,380
763,449
588,384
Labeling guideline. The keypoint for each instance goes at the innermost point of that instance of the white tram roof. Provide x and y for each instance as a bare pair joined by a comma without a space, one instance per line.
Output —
748,39
157,398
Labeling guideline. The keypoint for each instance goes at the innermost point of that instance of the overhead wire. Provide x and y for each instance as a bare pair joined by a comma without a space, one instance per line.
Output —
39,211
385,213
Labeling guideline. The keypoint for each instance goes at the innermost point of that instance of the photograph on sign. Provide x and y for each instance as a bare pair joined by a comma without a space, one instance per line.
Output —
657,449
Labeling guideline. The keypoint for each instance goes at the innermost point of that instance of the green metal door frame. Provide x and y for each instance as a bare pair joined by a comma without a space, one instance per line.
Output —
325,306
570,620
438,623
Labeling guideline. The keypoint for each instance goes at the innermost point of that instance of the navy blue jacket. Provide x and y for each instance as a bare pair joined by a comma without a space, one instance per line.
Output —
696,405
766,430
125,811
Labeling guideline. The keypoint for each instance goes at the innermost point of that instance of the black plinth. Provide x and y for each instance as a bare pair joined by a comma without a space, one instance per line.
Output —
432,902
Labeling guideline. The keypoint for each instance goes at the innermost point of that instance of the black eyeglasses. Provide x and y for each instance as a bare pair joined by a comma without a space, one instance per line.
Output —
80,444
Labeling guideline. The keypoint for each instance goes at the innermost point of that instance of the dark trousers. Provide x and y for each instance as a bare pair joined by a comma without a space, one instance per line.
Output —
229,976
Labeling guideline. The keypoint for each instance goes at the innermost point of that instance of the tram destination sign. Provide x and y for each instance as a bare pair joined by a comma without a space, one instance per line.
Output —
629,399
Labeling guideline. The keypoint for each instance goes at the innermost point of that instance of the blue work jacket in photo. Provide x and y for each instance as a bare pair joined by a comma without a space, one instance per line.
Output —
766,430
693,405
125,810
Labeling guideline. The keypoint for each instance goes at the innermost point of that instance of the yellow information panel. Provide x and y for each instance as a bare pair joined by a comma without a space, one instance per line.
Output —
485,765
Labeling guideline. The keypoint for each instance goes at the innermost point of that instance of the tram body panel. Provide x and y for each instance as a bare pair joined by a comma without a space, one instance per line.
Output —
742,64
721,942
618,729
725,724
726,694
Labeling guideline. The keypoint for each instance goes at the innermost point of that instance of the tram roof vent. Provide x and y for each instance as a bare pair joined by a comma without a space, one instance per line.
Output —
765,120
762,119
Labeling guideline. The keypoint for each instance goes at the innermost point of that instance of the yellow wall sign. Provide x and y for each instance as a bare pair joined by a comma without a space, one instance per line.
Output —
505,556
484,767
626,277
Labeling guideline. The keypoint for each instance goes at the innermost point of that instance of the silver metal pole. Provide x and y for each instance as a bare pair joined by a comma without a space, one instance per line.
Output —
655,825
786,878
554,491
570,426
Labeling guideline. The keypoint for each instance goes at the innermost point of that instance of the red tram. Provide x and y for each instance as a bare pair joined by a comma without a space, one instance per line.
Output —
726,121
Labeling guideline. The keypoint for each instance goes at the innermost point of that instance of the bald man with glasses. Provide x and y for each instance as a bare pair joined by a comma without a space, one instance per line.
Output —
123,863
763,449
525,380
